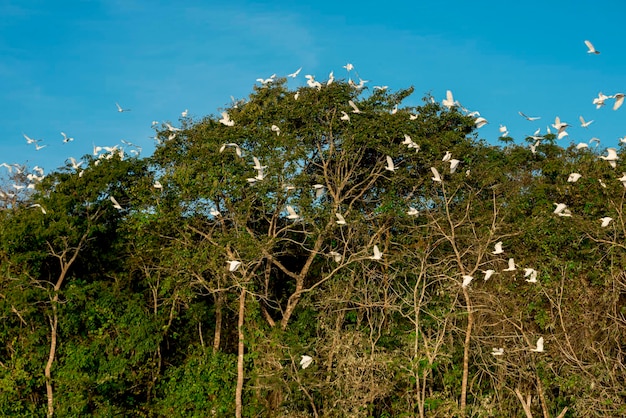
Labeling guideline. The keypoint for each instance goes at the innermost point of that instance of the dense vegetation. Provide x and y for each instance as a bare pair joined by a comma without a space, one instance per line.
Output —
138,310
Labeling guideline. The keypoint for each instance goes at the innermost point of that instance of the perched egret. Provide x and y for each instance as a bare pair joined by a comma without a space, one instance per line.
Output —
412,211
390,165
467,279
340,219
436,176
606,221
226,120
497,351
233,265
573,177
345,116
276,129
354,107
336,256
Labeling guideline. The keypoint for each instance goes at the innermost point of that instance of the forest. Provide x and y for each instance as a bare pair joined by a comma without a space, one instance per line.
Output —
323,251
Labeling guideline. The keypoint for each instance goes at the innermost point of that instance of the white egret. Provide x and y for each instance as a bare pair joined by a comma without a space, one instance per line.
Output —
214,212
340,219
584,123
467,279
447,156
38,147
266,81
504,132
582,145
232,144
449,100
488,274
310,81
619,100
454,163
233,265
295,73
37,205
436,176
354,107
120,109
319,190
115,204
157,185
511,265
66,138
529,118
276,129
497,351
611,157
226,120
560,207
184,113
539,348
306,361
377,254
336,256
590,48
599,101
412,211
349,67
573,177
497,249
345,116
292,213
532,273
480,122
390,165
606,221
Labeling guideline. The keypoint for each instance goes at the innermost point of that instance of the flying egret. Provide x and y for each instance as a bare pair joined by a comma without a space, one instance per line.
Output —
619,100
66,138
232,144
340,219
266,81
447,156
306,361
599,101
295,73
539,348
488,274
504,132
480,122
30,140
292,213
171,128
454,163
467,279
354,107
449,100
560,207
584,123
120,109
529,118
349,67
381,88
184,113
582,145
606,221
319,190
623,179
497,249
226,120
559,126
532,273
115,204
377,254
436,176
390,165
497,351
233,265
37,205
611,157
38,147
511,265
345,116
590,48
573,177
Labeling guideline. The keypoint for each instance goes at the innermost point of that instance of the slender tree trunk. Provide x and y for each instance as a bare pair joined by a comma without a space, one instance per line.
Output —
52,352
219,299
238,393
466,348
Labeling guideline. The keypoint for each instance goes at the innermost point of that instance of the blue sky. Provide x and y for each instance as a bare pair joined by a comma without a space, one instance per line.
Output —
64,64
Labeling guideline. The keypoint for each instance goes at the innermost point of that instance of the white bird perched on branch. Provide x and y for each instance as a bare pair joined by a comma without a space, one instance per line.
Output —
412,211
340,219
532,273
336,256
449,100
37,205
310,81
276,129
390,165
377,254
266,81
560,208
497,351
539,348
573,177
354,107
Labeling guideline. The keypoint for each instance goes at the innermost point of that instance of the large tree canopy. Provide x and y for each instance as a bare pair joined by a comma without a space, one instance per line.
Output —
326,251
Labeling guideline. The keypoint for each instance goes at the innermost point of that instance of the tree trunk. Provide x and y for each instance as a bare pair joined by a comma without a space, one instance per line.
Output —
242,303
51,354
219,299
466,347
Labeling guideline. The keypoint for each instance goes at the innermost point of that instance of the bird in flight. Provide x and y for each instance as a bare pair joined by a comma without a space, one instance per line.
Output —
449,100
66,138
340,219
488,274
606,221
226,120
232,144
120,108
115,204
584,123
480,122
497,249
354,107
539,348
377,254
436,176
497,351
467,279
233,265
619,100
611,157
295,73
390,165
511,265
292,213
590,48
529,118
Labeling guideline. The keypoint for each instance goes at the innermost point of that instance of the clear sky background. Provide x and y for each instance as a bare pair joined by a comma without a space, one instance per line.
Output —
64,64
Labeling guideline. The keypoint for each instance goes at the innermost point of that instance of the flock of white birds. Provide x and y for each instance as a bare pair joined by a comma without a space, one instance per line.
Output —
233,265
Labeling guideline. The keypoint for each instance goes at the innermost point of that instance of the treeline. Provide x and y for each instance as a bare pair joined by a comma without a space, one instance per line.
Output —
327,222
